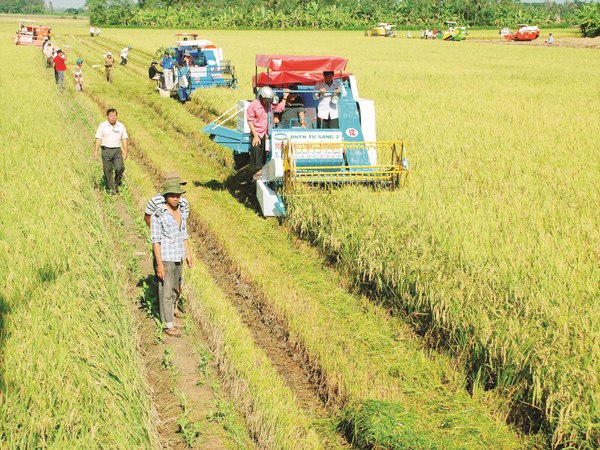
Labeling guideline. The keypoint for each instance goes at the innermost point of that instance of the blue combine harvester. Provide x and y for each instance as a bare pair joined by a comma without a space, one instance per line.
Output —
200,64
300,152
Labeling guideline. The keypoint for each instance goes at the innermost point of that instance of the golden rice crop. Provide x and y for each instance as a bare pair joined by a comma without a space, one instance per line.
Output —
70,376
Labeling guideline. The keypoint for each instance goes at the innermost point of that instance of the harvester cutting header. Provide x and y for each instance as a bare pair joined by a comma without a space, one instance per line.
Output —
331,141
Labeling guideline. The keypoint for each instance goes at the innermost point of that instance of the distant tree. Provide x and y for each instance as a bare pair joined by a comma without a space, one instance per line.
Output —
22,6
588,18
50,7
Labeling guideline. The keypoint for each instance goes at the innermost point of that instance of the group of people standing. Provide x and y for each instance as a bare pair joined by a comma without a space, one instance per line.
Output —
289,112
56,59
166,214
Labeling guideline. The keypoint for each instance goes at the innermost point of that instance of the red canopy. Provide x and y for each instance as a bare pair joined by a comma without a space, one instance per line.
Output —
282,79
292,63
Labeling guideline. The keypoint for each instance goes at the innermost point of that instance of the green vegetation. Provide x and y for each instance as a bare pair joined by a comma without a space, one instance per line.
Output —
588,18
327,14
70,376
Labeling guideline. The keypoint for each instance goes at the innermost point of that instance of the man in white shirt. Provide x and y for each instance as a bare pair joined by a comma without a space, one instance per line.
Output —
124,54
328,94
110,135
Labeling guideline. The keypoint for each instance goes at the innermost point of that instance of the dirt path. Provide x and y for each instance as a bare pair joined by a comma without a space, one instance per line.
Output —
178,369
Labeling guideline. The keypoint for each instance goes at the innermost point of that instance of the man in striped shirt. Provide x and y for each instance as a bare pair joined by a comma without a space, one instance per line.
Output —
168,233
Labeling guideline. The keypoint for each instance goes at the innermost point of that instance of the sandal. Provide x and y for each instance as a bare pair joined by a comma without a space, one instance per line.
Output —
173,332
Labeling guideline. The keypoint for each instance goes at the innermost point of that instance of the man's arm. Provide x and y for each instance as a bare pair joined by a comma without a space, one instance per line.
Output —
188,254
155,235
160,266
125,143
255,138
96,147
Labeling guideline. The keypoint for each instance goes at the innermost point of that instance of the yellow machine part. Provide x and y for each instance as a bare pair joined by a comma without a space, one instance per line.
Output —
392,175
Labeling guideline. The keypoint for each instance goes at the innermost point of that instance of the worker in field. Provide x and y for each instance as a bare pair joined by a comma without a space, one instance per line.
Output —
169,236
550,40
60,67
167,64
328,93
154,72
155,203
109,63
92,31
79,75
112,136
48,50
257,116
124,54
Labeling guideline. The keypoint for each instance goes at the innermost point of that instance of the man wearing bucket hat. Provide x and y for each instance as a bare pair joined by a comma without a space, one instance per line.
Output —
154,204
168,233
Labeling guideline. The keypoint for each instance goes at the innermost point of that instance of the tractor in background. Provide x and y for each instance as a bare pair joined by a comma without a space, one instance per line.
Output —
199,64
382,30
453,33
524,33
31,34
301,155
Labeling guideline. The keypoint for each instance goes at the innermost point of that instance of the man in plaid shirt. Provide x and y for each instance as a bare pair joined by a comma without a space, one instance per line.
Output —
168,233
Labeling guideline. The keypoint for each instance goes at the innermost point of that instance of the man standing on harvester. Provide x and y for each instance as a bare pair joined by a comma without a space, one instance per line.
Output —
169,236
328,94
257,116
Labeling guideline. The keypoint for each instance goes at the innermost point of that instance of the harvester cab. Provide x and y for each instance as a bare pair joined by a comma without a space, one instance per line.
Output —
200,64
454,32
301,155
31,34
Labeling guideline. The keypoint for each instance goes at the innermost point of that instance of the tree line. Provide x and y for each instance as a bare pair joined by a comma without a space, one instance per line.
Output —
344,14
327,14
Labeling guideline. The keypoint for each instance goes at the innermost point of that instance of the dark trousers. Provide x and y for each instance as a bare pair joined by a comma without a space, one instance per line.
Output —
123,61
258,155
328,123
113,166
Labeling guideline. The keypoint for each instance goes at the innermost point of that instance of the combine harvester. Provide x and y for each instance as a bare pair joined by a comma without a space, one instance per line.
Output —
31,34
382,30
524,33
453,33
205,66
301,157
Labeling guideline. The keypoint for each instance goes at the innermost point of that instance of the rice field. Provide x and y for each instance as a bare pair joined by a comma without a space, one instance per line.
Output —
491,253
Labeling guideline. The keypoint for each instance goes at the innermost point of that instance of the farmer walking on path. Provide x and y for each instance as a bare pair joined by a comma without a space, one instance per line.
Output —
169,236
154,204
108,66
111,135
